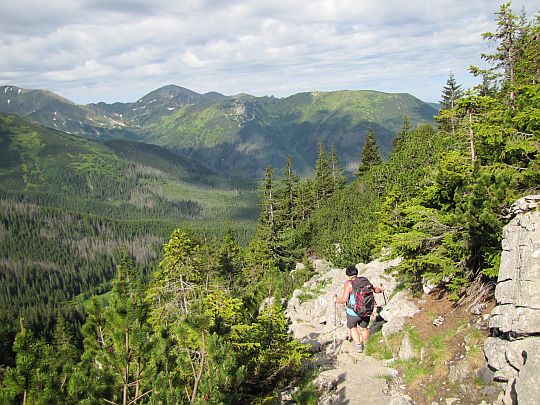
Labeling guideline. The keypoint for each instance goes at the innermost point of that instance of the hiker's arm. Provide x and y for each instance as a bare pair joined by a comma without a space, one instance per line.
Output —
346,292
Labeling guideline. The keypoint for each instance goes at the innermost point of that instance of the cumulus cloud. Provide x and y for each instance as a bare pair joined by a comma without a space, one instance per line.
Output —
118,50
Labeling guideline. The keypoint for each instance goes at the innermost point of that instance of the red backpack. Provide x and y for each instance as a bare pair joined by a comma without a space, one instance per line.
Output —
363,296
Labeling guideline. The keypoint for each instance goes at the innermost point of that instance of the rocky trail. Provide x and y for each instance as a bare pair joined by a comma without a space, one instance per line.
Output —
487,350
347,377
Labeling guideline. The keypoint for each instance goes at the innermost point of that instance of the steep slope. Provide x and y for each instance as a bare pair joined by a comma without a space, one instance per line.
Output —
69,203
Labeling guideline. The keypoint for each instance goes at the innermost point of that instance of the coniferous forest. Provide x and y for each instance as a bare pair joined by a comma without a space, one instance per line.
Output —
136,306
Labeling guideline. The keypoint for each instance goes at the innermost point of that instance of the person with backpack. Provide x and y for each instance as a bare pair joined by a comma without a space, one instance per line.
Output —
358,295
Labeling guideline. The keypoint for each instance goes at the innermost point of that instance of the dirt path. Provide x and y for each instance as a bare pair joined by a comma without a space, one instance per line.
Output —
350,377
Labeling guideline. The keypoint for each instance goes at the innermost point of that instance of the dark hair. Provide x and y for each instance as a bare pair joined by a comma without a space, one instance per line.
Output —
351,270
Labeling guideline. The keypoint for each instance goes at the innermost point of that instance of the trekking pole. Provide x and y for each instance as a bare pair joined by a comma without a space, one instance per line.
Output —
335,321
383,294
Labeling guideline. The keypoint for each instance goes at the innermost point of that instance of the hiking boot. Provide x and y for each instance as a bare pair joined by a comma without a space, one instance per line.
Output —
359,347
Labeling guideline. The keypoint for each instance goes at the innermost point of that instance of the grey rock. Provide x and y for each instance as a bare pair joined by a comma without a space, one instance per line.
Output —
406,351
459,371
506,373
518,286
485,374
518,351
495,352
527,386
397,310
329,399
393,325
325,383
400,400
515,356
321,266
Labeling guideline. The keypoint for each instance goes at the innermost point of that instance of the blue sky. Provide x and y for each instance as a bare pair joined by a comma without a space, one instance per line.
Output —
119,50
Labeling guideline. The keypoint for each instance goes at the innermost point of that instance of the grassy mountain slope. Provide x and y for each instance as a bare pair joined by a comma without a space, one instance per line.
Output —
238,135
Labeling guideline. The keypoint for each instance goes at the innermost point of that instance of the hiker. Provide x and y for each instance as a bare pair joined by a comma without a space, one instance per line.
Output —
358,321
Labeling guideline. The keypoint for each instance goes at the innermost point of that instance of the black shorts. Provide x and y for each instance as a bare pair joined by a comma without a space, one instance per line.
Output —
361,321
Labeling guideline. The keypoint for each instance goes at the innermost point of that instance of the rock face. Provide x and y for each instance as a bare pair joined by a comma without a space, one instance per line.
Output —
514,354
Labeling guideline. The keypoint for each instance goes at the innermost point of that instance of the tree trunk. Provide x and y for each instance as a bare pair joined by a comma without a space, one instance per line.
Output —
201,367
471,140
126,369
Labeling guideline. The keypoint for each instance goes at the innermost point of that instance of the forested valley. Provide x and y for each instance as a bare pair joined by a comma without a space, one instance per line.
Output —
199,318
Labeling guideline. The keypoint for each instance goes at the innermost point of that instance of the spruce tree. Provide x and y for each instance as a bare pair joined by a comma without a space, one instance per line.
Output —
228,257
405,130
287,197
451,93
507,43
370,154
338,179
268,221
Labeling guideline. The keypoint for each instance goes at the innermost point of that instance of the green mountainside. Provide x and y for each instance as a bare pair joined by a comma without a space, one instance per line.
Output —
69,203
237,135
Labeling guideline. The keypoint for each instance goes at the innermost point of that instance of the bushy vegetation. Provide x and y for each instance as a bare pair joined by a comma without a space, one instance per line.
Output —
190,334
203,321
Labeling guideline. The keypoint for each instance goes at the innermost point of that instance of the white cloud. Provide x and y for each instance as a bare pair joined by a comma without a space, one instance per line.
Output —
118,50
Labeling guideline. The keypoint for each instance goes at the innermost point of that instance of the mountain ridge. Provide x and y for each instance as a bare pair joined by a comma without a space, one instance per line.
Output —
236,135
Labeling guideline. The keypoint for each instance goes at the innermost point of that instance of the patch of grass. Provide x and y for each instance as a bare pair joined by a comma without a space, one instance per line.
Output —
314,292
431,391
415,339
386,377
377,347
413,370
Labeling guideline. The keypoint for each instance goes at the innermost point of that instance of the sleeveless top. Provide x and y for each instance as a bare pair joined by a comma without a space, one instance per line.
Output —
350,303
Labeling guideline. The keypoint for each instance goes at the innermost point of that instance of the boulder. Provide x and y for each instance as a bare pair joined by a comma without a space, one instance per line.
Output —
396,311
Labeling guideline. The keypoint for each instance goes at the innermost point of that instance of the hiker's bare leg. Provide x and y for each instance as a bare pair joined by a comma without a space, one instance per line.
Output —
364,335
355,335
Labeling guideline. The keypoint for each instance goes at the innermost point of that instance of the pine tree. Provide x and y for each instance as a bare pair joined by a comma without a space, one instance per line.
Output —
22,381
175,281
323,177
115,364
370,154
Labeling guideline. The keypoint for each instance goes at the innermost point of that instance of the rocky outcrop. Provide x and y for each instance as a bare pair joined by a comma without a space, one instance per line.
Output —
513,352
